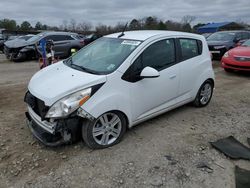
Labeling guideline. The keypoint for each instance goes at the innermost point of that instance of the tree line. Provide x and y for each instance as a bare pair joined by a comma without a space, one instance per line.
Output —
150,23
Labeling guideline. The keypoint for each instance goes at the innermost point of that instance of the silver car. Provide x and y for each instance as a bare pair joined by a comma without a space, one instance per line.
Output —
23,50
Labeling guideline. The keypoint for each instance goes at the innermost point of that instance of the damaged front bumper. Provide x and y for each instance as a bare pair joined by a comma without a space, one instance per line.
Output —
54,133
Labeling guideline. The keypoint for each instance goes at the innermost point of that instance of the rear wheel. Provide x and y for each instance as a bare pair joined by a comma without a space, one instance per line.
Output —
107,130
204,94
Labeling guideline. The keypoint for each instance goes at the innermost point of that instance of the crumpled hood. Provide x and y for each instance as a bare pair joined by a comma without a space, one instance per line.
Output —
57,81
17,43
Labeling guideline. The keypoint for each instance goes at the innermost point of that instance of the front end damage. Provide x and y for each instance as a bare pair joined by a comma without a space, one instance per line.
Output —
53,132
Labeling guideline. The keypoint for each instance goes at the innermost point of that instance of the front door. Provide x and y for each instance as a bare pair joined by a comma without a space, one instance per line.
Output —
150,95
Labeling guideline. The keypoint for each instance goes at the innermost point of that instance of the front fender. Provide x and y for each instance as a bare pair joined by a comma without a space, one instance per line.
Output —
98,105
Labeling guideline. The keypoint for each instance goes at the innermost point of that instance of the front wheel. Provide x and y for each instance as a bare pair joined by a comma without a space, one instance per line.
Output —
204,94
107,130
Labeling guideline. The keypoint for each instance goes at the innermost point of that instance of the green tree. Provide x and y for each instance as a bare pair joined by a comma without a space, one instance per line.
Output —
8,24
25,26
134,25
38,26
162,26
151,23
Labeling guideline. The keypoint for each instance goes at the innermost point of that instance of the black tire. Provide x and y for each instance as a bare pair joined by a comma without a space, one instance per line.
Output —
87,132
19,57
228,70
198,99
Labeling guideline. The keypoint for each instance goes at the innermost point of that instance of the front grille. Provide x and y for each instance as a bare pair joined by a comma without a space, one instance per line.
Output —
9,51
242,58
36,104
6,50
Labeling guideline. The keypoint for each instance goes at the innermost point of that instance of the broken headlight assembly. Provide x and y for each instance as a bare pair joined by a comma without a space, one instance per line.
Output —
68,104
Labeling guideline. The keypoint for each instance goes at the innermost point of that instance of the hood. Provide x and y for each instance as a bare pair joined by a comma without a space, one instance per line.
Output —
217,43
17,43
57,81
240,51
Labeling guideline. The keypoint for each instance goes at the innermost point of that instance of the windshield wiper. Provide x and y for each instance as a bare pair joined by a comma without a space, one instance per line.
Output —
70,63
83,68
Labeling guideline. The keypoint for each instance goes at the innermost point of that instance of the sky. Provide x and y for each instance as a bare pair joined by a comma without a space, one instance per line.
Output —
110,12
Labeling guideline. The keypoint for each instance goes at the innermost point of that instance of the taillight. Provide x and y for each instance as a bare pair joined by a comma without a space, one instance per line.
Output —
82,42
211,55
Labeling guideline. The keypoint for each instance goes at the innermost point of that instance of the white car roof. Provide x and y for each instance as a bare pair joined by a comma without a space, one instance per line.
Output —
145,34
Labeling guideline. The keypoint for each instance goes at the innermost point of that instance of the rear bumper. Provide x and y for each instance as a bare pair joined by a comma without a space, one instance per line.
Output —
217,53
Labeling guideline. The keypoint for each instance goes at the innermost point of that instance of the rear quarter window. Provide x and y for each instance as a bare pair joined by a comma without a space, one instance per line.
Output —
190,48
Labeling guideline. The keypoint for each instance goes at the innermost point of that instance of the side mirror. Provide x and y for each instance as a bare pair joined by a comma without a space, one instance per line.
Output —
149,72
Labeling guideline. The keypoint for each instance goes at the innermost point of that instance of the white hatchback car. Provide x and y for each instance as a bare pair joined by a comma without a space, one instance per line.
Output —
117,82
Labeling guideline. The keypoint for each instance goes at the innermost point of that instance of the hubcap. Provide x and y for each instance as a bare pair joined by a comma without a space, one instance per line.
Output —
206,93
107,129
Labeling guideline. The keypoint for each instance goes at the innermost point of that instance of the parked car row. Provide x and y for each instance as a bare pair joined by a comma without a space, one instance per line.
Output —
237,58
232,48
25,47
220,42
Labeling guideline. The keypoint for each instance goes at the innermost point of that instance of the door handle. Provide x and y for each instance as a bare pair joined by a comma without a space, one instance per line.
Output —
172,76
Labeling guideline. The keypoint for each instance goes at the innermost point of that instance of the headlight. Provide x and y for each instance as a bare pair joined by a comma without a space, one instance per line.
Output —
226,54
68,104
219,47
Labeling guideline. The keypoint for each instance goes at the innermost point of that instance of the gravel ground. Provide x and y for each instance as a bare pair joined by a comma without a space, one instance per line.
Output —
162,152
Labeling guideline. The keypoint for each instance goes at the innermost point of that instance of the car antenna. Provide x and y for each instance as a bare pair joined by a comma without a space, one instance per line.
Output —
122,34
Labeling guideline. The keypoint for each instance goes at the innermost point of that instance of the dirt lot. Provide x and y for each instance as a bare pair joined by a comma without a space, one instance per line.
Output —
162,152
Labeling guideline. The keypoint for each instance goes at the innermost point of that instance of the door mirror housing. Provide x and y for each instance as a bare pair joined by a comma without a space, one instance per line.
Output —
149,72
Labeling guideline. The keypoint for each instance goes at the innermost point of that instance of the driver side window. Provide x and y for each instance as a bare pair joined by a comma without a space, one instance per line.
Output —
159,56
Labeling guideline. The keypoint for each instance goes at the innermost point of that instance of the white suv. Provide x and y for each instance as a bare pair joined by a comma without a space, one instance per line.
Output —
117,82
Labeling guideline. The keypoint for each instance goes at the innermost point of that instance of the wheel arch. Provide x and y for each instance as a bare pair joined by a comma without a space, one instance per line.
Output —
207,75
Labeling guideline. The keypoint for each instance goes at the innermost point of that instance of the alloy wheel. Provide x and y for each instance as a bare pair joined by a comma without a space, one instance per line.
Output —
107,129
205,94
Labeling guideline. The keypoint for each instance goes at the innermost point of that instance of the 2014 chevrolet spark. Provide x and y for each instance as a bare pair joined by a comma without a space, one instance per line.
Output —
117,82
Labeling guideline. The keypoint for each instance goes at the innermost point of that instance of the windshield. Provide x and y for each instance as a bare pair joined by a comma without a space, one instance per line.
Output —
35,38
246,43
103,56
221,37
26,37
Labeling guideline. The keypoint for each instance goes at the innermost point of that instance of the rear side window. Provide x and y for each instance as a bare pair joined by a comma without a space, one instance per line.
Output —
59,37
190,48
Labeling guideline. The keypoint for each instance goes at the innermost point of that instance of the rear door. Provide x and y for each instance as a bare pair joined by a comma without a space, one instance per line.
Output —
191,63
61,44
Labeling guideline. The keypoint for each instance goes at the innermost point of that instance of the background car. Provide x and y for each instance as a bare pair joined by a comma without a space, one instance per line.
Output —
237,58
90,38
1,42
26,49
220,42
206,34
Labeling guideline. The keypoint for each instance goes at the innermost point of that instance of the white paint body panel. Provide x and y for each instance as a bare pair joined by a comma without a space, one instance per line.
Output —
139,101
